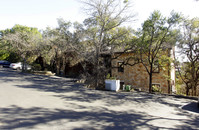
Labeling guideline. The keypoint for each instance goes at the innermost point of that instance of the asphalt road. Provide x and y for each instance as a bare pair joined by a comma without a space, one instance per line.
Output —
51,103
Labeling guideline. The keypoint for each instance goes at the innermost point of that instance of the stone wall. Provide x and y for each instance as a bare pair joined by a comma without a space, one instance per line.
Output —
138,77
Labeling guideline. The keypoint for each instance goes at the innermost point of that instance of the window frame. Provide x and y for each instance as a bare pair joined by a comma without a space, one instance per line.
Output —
120,67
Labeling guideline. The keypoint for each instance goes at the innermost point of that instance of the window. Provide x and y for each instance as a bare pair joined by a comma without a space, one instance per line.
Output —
120,66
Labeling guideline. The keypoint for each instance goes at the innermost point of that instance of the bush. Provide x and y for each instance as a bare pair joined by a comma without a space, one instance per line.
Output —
109,77
156,88
36,67
180,89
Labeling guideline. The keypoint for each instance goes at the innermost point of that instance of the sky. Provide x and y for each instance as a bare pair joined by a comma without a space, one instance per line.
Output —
44,13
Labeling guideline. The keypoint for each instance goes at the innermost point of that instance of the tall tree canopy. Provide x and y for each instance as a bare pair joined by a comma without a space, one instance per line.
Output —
102,27
189,46
24,41
155,35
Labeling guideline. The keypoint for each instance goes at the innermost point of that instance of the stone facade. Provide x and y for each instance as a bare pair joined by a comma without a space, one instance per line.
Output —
138,77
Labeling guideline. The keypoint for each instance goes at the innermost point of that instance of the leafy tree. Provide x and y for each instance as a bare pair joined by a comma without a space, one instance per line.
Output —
155,38
58,42
105,16
22,40
189,46
5,54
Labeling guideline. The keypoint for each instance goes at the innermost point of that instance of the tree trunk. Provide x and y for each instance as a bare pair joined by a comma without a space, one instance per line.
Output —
187,90
169,83
150,82
150,78
169,87
24,65
193,88
57,66
97,68
63,65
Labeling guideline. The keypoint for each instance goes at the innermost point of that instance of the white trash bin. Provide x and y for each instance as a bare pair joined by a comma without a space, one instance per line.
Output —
112,85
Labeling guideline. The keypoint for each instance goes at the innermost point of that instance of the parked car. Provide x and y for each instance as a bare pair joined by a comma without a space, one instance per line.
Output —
19,66
4,63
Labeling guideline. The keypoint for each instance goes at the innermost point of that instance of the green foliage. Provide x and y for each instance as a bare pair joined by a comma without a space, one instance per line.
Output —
180,89
156,88
156,30
22,29
22,40
109,77
9,56
13,57
104,33
188,44
154,40
36,67
128,87
4,55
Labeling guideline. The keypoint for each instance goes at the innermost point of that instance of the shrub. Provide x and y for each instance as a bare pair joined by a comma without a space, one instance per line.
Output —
109,77
156,88
36,67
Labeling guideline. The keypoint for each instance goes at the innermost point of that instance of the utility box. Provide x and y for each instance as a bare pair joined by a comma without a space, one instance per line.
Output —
112,85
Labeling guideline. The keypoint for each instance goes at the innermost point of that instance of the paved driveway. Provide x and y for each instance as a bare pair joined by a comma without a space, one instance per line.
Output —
51,103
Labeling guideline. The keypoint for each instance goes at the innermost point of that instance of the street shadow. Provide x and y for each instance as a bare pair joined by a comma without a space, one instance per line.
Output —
29,118
7,74
62,86
100,117
39,82
15,117
192,107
